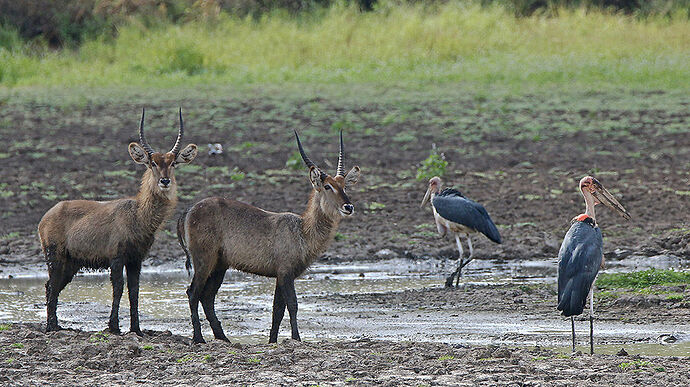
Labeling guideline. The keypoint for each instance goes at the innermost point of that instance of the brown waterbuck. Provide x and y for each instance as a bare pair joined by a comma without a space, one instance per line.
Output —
218,233
79,234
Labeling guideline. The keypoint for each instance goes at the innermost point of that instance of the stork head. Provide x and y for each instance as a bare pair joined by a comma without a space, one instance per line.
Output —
330,190
591,186
434,188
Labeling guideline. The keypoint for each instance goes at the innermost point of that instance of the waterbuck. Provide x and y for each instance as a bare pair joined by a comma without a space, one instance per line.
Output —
218,233
79,234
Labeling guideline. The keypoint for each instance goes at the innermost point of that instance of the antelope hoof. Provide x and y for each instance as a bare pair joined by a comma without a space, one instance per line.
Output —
53,328
137,332
198,340
114,330
223,338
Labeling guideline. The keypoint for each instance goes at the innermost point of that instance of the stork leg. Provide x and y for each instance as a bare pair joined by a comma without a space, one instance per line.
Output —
591,320
464,263
572,323
449,280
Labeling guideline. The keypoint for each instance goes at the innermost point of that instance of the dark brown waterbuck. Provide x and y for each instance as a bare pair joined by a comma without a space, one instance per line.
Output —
115,234
219,233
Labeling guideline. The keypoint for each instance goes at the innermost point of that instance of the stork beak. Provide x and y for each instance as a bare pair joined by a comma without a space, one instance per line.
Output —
427,195
603,196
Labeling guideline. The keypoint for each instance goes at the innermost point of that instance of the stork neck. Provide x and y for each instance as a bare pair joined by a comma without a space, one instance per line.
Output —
589,204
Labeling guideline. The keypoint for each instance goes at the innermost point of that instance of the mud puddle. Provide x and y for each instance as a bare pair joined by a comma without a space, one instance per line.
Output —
396,300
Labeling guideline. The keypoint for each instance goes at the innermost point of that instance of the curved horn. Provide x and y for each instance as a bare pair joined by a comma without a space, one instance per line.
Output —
142,139
341,158
306,159
176,148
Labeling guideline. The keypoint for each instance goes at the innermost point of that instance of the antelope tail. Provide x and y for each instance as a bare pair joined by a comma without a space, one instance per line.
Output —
180,238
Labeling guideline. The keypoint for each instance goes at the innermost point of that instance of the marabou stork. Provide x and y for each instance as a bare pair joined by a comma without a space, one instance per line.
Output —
454,212
581,255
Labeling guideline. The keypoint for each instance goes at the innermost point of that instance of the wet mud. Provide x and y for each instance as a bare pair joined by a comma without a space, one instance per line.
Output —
161,358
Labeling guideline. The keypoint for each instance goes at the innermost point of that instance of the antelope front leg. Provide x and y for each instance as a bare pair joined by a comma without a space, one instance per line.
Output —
278,313
290,296
118,283
133,272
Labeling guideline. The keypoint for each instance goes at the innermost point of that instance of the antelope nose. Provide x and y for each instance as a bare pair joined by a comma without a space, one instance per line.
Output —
165,181
349,208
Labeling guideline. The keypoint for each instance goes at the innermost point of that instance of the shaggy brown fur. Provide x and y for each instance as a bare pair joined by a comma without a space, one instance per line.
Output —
219,233
115,234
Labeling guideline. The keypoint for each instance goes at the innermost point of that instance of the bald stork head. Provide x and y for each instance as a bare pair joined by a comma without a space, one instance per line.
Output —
590,186
434,188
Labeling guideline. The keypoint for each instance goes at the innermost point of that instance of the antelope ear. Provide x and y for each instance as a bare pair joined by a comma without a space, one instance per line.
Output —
315,178
352,176
138,153
187,154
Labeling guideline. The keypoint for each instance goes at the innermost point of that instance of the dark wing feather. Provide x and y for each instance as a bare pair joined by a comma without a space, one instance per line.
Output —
451,205
579,261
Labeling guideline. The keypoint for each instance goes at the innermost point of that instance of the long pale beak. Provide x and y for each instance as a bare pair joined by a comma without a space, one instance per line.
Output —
427,195
603,196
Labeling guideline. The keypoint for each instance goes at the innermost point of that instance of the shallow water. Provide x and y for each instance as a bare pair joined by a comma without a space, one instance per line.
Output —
244,308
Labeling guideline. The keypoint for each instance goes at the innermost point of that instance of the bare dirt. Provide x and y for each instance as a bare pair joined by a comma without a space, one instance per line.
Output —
519,156
160,358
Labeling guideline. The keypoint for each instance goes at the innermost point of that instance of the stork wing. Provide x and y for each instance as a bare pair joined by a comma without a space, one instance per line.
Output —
579,261
456,208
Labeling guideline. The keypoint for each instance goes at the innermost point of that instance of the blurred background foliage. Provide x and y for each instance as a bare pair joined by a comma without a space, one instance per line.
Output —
67,23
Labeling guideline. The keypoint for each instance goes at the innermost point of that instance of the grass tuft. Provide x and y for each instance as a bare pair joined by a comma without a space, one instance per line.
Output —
643,279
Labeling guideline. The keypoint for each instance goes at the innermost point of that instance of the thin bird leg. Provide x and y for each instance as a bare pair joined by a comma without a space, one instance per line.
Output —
449,280
469,259
591,320
572,323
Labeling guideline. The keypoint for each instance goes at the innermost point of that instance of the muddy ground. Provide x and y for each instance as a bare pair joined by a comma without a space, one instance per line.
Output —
160,358
521,156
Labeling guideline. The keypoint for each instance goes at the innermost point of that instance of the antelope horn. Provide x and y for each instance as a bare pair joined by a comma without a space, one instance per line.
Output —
341,156
142,139
176,148
306,159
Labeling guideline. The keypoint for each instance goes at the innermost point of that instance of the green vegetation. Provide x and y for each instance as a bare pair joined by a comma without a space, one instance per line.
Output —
434,165
294,162
5,327
11,235
147,347
446,357
373,206
635,364
99,337
17,345
643,279
396,43
185,359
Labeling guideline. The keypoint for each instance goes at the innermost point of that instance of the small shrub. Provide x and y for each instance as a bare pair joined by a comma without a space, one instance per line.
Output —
434,165
294,162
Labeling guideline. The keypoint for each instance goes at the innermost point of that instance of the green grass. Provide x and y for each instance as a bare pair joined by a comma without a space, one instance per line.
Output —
453,42
5,327
642,279
636,364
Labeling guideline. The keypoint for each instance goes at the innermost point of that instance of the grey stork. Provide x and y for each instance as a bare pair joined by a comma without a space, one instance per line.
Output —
455,213
581,255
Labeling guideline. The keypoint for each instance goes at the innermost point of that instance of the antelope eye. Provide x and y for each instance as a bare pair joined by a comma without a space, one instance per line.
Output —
328,187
